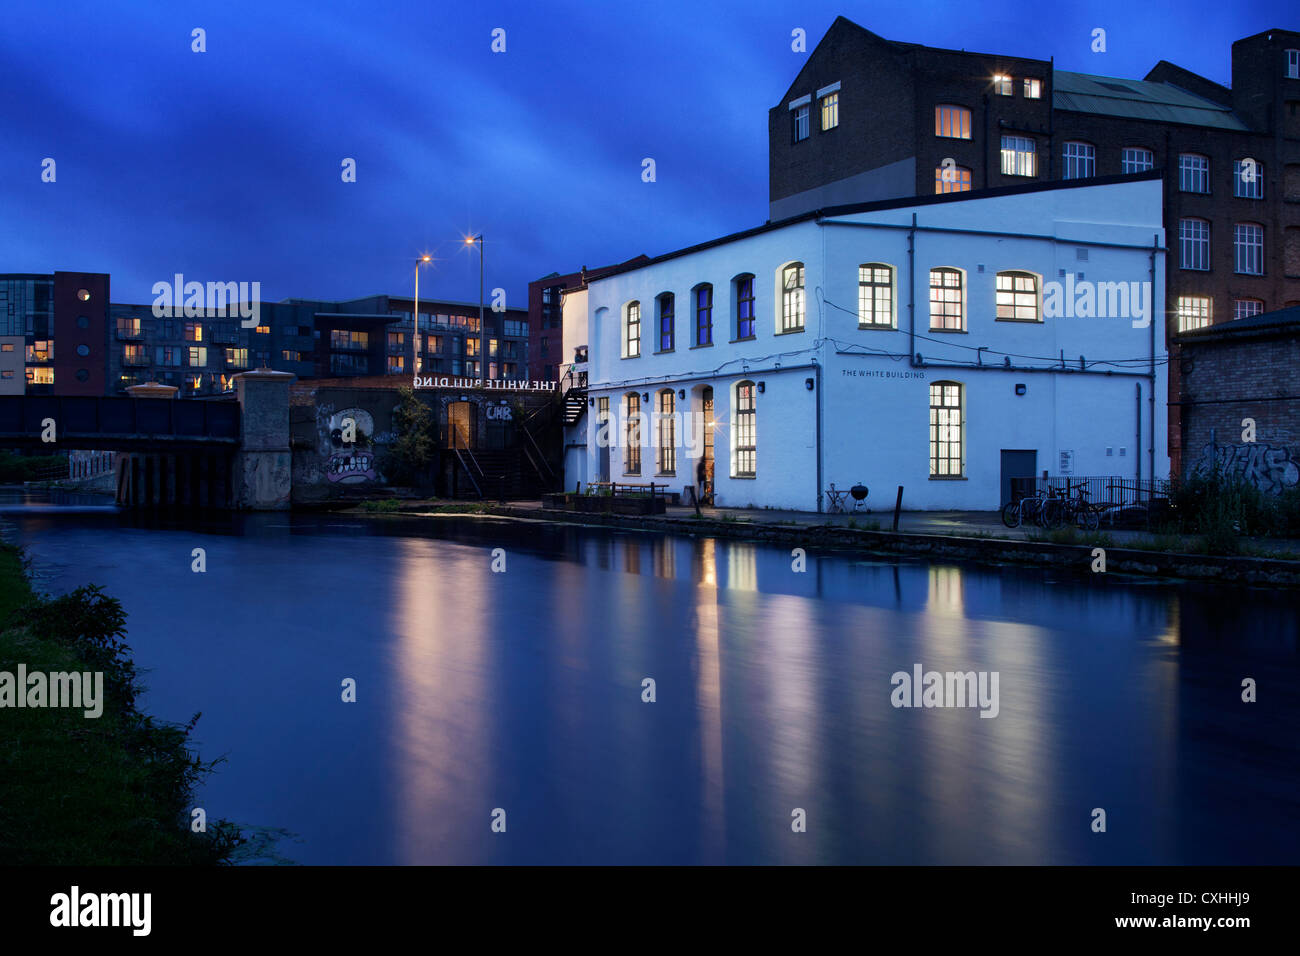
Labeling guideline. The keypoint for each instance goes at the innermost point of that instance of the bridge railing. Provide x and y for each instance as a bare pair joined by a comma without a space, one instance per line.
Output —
24,416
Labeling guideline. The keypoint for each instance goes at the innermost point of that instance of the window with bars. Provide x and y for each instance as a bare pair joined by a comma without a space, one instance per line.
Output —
1017,296
951,179
745,307
744,434
946,312
875,295
792,298
667,447
1019,156
946,428
1135,159
1248,248
632,434
1194,244
1078,161
1193,312
667,327
952,122
704,314
1193,173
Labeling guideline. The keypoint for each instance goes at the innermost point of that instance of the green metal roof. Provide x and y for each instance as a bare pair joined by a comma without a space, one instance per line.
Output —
1138,99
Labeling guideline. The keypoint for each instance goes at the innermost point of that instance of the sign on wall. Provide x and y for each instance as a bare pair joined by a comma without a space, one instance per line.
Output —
1067,463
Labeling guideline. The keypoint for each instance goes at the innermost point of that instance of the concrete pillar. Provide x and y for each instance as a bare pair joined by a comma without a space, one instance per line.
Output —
262,469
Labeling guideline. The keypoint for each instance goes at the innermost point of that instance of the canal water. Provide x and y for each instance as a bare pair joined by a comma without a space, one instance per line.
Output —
521,690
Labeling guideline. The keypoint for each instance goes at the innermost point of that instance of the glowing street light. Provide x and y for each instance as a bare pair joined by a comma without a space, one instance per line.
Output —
415,319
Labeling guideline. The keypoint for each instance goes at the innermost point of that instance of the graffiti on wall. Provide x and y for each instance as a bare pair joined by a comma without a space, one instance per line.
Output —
350,462
1270,468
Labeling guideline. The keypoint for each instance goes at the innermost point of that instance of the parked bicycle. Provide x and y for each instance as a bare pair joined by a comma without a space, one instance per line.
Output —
1023,510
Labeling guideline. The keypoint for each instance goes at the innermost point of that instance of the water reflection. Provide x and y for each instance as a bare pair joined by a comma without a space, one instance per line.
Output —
523,690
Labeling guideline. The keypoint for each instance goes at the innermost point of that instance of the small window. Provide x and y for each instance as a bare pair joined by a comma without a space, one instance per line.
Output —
1033,89
1293,64
667,326
1019,156
801,123
946,312
1194,244
1017,297
1193,312
1248,179
946,427
703,314
952,122
1248,248
875,296
1245,308
83,295
830,111
745,307
792,298
1135,159
1193,173
1002,84
951,179
1078,161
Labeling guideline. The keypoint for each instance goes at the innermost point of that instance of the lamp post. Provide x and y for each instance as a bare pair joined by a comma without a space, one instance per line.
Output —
482,329
415,322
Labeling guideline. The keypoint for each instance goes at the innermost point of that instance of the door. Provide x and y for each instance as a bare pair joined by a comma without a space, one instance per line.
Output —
460,425
602,451
707,408
1016,463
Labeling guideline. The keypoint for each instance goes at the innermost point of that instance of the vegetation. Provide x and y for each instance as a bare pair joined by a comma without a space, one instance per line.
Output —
15,468
1071,535
1224,508
387,506
112,790
414,445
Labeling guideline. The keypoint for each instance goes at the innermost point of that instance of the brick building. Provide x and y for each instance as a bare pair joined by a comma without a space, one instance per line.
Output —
869,118
1234,374
547,360
36,310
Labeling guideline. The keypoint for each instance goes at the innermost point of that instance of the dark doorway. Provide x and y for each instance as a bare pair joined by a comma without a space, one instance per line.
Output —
1016,463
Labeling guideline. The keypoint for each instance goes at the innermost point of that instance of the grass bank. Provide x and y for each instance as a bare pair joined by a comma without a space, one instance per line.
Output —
112,790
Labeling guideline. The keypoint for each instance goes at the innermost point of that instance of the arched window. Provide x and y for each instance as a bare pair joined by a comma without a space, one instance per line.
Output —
631,434
791,318
946,430
947,300
632,330
667,329
743,287
1017,297
875,296
667,447
703,297
744,432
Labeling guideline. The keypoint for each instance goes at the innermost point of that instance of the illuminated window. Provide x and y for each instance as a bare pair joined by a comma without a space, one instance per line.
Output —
1002,85
1078,161
128,328
1135,159
198,356
1033,89
134,355
396,363
193,332
1017,296
471,347
792,298
830,111
291,356
631,330
951,179
876,295
946,312
667,447
40,376
744,433
952,121
1193,312
1193,244
945,430
263,330
1019,156
237,358
396,341
632,426
1248,248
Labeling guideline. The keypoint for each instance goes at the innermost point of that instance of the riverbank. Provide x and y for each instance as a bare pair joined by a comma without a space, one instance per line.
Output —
980,538
115,789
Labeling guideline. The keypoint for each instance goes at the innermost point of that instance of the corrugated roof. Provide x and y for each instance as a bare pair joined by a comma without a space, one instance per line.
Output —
1138,99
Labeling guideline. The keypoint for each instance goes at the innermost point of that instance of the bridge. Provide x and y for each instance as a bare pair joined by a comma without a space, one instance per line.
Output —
172,452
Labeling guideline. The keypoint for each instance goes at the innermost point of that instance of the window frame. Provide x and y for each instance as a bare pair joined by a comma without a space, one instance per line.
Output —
1239,185
666,453
1192,247
936,444
1124,160
961,296
1033,88
1072,159
662,299
1253,248
1189,168
632,434
1017,296
1004,84
950,116
737,284
631,324
889,286
792,296
744,431
1015,154
961,184
1183,311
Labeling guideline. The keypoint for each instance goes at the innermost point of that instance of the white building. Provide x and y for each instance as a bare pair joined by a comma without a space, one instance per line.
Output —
945,344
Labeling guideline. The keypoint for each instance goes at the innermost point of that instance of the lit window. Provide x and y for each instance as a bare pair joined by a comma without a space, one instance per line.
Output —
396,364
1019,156
952,121
198,356
704,314
1193,312
667,447
830,111
1248,248
1248,179
876,295
1033,89
792,298
396,341
1135,159
744,434
193,332
951,179
1293,64
83,295
667,327
134,355
745,307
1002,84
1193,244
1245,308
1193,173
945,430
1078,161
471,346
631,330
946,300
291,356
263,330
632,445
40,375
128,328
1017,296
237,358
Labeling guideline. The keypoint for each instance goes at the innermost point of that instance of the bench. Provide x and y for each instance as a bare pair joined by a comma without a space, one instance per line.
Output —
628,489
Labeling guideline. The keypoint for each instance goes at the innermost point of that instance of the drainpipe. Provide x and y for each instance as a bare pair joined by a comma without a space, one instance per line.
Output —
911,293
817,383
1151,329
1137,449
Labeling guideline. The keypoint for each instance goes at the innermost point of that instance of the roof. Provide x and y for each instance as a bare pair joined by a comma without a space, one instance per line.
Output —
1279,321
1138,99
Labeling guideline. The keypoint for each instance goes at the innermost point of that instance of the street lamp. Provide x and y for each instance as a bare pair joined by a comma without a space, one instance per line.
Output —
415,321
482,329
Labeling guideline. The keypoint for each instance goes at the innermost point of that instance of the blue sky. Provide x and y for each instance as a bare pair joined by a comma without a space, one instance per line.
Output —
225,165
